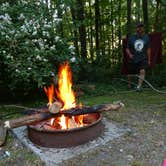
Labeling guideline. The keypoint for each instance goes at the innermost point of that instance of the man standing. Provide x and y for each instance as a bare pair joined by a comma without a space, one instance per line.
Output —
138,50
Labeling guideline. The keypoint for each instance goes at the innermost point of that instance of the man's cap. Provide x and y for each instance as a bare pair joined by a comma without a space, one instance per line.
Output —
139,25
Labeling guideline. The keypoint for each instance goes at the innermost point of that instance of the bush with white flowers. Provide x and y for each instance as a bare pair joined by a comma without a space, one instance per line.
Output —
30,49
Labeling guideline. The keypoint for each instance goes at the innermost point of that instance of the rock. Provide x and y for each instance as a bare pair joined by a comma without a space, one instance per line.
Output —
121,150
154,152
130,157
16,144
160,143
152,121
7,153
110,147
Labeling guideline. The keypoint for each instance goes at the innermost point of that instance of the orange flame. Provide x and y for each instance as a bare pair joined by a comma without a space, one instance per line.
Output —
63,122
67,96
50,93
65,92
52,121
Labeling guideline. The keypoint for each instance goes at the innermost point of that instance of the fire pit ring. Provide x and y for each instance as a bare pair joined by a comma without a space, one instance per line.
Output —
68,137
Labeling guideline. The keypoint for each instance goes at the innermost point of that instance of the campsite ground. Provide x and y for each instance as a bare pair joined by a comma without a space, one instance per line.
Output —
143,145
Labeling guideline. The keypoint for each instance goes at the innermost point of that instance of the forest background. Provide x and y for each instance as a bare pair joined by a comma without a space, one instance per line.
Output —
36,36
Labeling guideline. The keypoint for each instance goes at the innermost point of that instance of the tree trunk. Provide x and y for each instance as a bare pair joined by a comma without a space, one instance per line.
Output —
91,32
112,33
128,17
119,32
145,14
97,18
138,11
74,19
156,16
82,29
102,39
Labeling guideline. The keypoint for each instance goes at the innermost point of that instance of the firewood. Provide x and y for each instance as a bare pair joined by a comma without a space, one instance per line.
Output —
29,119
55,107
93,109
26,120
40,116
72,123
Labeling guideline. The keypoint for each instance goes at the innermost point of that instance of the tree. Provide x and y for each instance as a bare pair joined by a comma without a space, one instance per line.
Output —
128,17
75,32
82,28
145,14
97,24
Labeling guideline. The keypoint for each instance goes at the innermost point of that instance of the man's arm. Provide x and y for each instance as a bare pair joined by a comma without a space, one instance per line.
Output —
128,48
129,53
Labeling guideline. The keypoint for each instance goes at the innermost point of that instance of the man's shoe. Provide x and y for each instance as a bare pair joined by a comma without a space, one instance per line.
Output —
138,89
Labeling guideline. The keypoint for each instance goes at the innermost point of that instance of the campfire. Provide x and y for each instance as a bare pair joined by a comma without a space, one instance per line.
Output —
66,96
63,122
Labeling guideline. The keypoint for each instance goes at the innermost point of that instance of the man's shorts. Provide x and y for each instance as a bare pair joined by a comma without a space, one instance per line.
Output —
134,68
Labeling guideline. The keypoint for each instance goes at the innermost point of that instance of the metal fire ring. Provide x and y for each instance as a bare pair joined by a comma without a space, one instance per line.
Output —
66,138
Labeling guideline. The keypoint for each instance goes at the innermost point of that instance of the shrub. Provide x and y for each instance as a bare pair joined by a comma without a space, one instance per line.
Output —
30,49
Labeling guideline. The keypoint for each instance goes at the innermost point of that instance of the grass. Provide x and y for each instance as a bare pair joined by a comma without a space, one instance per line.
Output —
19,155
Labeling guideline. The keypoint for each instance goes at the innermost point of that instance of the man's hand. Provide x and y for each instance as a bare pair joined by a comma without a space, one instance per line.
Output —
149,63
129,53
130,56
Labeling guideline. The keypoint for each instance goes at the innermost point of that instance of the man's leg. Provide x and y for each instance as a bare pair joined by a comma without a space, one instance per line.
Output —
129,81
131,70
141,79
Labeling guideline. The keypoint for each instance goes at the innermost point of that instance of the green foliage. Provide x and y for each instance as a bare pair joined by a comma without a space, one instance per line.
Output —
30,49
36,37
157,75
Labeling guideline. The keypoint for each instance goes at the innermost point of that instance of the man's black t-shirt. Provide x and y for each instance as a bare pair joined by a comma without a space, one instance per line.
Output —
138,46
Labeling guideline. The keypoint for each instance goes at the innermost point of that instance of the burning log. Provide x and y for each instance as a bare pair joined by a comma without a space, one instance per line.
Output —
26,120
93,109
40,116
72,123
55,107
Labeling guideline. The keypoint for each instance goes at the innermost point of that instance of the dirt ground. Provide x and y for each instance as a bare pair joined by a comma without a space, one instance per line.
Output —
143,145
